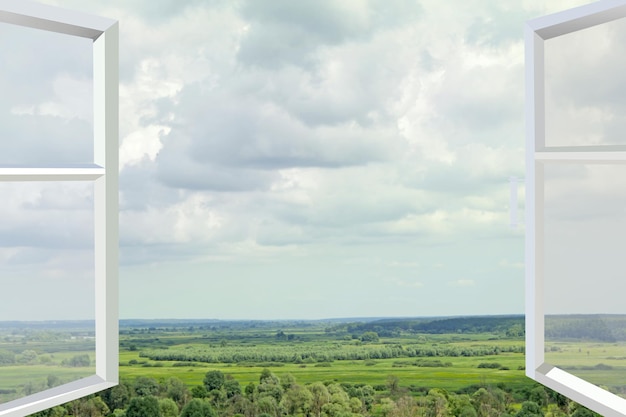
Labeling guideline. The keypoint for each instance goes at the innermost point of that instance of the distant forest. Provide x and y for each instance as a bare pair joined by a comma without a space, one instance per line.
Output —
393,327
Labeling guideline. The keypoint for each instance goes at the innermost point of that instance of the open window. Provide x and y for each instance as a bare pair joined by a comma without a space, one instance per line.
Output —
576,204
93,185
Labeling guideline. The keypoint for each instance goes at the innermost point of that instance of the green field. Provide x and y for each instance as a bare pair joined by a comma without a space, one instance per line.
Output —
464,372
38,356
259,347
603,364
592,347
466,365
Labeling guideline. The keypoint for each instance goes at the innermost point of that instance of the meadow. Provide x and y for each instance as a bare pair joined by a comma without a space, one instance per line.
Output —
323,351
40,355
390,357
592,347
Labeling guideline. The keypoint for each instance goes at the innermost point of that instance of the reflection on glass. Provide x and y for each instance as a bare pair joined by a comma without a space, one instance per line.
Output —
585,236
47,331
35,356
585,86
46,113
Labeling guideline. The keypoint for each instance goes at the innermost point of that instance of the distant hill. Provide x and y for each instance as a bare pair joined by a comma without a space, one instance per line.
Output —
383,326
473,324
600,327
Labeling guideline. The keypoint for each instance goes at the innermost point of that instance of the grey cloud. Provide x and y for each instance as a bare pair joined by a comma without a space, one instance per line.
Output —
288,33
481,100
53,230
140,188
193,176
160,11
243,133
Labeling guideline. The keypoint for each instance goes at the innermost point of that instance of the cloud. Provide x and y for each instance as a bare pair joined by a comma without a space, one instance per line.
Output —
283,33
349,137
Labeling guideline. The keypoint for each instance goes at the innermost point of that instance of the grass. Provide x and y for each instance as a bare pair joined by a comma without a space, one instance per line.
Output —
601,363
464,371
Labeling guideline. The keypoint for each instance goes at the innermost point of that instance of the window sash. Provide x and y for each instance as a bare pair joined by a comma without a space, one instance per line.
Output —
103,172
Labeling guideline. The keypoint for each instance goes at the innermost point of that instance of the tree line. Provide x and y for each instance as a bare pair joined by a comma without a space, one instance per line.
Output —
221,396
315,353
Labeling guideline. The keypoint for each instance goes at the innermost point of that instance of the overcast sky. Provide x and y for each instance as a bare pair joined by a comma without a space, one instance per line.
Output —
278,159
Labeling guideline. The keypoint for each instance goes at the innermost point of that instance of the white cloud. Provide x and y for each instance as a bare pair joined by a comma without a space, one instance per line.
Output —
288,133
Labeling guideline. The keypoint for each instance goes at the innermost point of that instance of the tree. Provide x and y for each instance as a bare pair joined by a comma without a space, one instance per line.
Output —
530,409
199,391
77,361
117,398
198,408
405,407
356,406
369,337
214,380
516,330
168,407
268,405
339,402
53,381
468,411
319,397
366,394
287,381
584,412
461,404
393,384
147,406
489,403
28,357
270,386
538,395
94,407
232,388
437,403
177,390
145,386
250,390
268,378
297,399
6,357
242,406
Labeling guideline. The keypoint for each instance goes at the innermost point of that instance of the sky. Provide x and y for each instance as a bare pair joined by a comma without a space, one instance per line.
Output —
279,159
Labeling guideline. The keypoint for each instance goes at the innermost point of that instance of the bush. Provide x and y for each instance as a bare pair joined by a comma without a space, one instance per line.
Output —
491,365
77,361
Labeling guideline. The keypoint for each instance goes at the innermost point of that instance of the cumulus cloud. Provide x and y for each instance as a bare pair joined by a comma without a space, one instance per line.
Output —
258,133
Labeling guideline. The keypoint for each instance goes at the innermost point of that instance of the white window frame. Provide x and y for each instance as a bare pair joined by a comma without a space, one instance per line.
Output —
103,172
538,155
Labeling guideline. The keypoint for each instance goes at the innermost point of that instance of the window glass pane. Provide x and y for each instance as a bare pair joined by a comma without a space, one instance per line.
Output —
46,110
585,87
47,332
585,236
